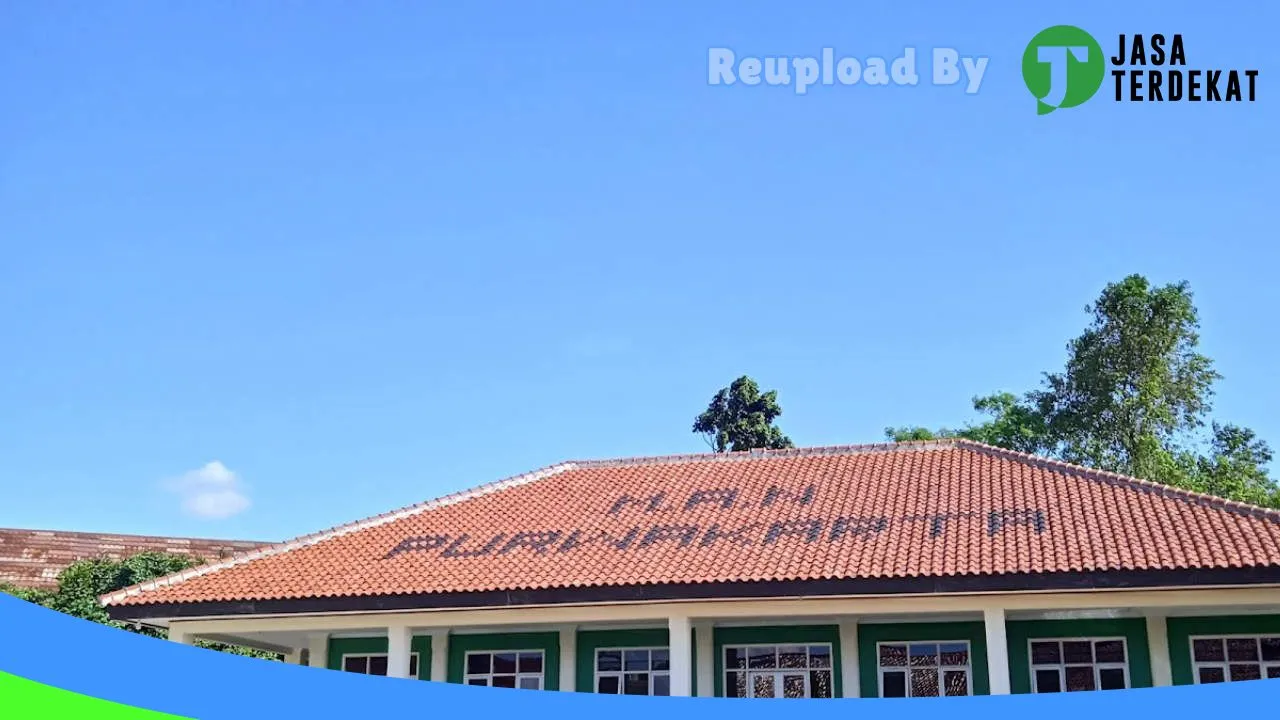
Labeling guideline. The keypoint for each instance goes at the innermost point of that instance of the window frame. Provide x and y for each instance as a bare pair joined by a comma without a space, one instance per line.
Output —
776,671
541,674
414,660
597,673
967,667
1225,664
1062,665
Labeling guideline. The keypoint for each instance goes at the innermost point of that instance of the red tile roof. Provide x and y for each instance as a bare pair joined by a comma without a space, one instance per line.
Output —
33,558
940,509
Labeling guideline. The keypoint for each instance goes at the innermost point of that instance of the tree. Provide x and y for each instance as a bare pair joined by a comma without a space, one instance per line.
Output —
740,417
82,583
1014,425
1133,398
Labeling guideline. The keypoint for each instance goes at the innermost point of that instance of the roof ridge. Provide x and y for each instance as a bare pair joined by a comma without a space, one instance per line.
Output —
336,531
1113,478
740,455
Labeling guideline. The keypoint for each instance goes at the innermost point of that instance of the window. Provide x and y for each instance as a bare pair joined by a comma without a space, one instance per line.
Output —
1235,658
781,671
633,671
505,669
375,664
924,669
1079,664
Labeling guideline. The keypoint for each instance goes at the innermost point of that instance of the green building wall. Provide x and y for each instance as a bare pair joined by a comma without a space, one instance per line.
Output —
1019,635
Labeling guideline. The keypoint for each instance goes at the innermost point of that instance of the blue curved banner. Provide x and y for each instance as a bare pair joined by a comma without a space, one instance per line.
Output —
55,665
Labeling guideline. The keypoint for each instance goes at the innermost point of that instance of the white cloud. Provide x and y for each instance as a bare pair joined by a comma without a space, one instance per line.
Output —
212,492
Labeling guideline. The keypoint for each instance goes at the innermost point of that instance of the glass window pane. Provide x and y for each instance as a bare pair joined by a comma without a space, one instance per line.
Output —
895,684
478,664
893,655
1111,679
1242,650
482,682
793,686
662,684
413,666
1046,653
636,684
1271,649
504,681
1048,681
1109,651
924,656
735,658
635,660
378,665
1273,671
608,660
1208,650
762,657
1080,678
820,684
504,663
819,656
735,684
661,659
954,653
790,656
608,685
924,682
1245,672
531,662
531,683
1212,675
762,685
1077,651
955,683
358,664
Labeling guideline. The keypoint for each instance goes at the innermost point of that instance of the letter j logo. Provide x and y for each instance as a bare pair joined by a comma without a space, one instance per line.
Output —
1062,67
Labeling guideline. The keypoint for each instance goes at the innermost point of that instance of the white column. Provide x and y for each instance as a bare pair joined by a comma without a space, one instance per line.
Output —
439,656
997,650
180,636
318,650
568,658
1158,647
704,637
849,678
399,640
681,655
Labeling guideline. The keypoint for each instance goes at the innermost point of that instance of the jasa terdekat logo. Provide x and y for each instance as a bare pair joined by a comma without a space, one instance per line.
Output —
1064,66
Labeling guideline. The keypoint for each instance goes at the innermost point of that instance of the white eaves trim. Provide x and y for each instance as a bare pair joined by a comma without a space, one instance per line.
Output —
339,531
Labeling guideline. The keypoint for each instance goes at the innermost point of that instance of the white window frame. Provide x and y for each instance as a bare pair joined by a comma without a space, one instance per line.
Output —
1226,664
541,675
369,656
1062,664
942,669
623,672
778,672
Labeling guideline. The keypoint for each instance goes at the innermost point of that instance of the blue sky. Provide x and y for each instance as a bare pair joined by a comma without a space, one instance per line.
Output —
339,258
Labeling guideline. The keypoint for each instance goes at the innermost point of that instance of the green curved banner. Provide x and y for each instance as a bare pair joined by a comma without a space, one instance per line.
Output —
22,698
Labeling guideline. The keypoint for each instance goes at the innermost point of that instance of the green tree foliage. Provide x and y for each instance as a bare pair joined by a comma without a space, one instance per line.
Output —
31,595
740,417
82,583
1134,398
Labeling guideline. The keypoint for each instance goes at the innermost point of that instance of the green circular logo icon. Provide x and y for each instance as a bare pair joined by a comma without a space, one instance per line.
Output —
1063,67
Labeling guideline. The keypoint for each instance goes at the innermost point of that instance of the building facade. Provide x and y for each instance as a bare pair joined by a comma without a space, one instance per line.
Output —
944,568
